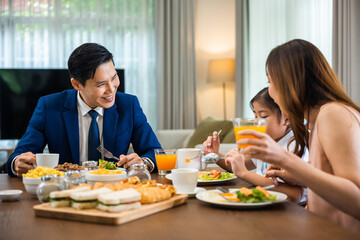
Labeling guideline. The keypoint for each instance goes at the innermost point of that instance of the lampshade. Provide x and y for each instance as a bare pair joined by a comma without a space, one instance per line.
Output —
221,70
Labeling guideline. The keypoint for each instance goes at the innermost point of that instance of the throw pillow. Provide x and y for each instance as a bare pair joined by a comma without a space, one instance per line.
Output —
206,128
230,137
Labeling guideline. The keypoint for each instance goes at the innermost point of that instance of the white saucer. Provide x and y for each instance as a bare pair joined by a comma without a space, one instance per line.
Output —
10,195
197,190
168,176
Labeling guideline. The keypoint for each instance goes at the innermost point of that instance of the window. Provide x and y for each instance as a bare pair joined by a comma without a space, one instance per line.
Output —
274,22
43,33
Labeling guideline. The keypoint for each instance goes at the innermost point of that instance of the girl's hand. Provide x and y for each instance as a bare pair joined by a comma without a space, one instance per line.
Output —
236,161
212,144
275,172
263,148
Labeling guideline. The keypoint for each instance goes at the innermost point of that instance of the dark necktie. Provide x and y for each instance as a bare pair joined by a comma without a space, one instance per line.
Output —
93,140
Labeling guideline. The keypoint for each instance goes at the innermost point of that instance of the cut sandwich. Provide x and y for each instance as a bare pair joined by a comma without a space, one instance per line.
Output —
62,198
87,199
119,201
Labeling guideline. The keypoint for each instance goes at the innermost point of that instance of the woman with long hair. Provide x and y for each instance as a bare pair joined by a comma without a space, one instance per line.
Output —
305,87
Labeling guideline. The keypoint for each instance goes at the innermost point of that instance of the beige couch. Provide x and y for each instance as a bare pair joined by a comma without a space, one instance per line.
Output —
179,138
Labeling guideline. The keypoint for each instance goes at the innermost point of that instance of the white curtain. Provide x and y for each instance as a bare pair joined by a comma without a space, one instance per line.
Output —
176,71
273,22
346,49
43,33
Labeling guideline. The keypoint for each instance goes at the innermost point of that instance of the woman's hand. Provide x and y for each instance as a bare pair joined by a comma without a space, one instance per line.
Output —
276,172
263,148
236,161
212,144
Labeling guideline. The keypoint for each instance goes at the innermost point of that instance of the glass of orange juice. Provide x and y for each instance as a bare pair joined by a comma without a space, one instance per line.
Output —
165,160
240,124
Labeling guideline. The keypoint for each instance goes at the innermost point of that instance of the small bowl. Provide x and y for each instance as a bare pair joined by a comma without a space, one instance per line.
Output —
105,179
10,195
31,184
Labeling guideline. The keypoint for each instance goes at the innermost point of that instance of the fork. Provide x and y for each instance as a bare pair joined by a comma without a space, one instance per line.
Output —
106,152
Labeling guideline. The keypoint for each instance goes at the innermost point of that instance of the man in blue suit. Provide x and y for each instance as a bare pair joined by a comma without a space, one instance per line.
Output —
73,122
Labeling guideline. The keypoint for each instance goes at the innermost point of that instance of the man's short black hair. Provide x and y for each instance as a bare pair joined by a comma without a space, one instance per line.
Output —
85,59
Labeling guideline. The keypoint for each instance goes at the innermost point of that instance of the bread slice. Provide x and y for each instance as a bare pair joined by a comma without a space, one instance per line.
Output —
83,205
62,202
89,195
62,198
118,208
67,193
118,197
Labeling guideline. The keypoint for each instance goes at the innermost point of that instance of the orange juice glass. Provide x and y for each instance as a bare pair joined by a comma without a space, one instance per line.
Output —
165,160
240,124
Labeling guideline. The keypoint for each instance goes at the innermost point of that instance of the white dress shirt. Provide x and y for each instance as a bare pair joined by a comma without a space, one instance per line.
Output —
84,125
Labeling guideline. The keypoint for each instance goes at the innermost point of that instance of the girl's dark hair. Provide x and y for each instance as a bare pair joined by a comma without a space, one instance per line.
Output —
300,72
264,98
85,59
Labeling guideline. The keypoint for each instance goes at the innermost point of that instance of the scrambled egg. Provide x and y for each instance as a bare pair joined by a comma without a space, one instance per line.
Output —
41,171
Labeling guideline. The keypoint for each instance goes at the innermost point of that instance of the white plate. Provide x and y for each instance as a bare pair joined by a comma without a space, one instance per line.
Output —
207,182
192,194
210,196
10,195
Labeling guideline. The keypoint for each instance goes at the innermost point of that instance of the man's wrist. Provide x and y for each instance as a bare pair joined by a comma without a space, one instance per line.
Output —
149,164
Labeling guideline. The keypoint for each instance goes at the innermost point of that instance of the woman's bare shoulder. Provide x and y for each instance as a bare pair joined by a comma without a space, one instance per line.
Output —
335,111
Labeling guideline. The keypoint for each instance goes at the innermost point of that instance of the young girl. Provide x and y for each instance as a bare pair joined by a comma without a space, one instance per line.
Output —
278,128
305,87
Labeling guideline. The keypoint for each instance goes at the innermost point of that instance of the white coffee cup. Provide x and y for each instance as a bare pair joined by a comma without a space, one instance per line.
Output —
184,179
47,159
189,158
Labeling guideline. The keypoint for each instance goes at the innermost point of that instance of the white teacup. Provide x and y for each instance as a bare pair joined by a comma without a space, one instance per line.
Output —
189,158
184,179
47,159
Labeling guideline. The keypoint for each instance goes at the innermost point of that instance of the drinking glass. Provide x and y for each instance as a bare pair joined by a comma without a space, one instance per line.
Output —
240,124
165,160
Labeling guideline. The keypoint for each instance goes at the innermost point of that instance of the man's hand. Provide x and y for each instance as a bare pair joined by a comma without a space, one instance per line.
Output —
24,162
128,160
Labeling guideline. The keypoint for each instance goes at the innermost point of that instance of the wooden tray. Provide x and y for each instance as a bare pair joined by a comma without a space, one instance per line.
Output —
96,216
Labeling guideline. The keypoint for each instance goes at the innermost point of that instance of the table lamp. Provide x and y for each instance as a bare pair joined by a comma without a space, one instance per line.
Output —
222,70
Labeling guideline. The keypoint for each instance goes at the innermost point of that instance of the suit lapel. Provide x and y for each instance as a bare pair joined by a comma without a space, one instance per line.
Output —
109,127
71,121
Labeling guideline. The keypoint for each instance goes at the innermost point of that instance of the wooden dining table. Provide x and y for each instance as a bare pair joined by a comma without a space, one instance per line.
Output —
192,220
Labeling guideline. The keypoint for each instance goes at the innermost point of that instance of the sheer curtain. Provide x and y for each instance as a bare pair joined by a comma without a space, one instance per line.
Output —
176,74
43,33
346,49
273,22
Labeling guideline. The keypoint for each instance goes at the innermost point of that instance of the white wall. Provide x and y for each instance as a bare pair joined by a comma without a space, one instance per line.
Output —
214,38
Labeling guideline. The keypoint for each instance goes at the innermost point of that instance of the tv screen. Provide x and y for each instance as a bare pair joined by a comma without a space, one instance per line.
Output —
20,90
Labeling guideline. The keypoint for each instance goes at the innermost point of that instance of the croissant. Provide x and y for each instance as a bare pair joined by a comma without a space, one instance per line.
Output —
149,183
130,180
169,188
153,194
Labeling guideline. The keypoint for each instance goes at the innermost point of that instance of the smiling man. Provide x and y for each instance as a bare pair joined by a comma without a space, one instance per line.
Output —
74,122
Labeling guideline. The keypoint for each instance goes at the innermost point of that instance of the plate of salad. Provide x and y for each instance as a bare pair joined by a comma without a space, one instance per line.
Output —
242,198
212,177
207,178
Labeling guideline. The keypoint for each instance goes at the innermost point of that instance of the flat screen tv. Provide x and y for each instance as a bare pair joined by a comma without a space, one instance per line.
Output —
20,90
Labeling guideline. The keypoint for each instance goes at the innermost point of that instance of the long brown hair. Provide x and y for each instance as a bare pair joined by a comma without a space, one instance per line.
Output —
304,79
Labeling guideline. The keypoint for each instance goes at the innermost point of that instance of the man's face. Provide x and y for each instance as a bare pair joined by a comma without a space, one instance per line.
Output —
100,90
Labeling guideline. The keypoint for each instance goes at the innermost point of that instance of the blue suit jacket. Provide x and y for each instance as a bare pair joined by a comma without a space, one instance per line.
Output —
55,122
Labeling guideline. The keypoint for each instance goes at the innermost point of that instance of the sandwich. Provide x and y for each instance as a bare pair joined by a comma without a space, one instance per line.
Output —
87,199
119,201
62,198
